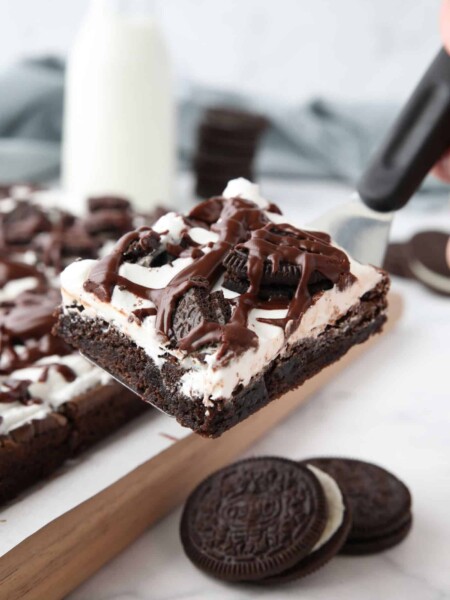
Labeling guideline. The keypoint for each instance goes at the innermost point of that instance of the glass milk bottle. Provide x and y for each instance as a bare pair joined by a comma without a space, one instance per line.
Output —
119,113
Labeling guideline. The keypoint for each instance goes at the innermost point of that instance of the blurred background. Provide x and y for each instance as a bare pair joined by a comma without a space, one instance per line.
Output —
316,84
290,50
328,76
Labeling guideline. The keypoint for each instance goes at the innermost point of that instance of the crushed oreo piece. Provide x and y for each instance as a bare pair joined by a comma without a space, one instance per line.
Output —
197,306
142,247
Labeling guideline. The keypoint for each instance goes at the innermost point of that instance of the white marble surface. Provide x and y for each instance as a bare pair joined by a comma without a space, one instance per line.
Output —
391,407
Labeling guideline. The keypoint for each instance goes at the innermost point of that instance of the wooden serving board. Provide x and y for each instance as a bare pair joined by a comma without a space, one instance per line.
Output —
64,553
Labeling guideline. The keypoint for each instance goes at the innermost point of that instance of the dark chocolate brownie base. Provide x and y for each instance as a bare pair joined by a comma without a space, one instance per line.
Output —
93,416
33,451
130,364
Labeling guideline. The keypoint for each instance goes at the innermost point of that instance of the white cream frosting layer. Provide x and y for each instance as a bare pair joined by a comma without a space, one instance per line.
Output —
335,504
211,379
53,392
13,288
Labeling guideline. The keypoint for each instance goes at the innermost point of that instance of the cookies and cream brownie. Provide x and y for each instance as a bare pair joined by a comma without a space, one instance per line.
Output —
53,402
212,315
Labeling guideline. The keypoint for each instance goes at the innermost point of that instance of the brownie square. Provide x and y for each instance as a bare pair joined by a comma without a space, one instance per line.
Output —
211,315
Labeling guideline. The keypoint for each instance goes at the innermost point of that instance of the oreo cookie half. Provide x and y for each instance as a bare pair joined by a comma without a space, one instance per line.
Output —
396,260
380,503
422,258
333,536
254,519
274,284
427,260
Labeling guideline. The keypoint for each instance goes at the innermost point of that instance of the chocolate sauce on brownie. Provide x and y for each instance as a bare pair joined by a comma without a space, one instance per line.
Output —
241,225
64,370
25,329
142,313
11,270
17,390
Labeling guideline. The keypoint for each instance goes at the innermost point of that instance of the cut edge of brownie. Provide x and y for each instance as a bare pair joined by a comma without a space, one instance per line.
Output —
31,452
36,449
118,354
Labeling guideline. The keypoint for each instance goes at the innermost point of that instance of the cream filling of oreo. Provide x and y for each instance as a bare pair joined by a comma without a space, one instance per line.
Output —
335,503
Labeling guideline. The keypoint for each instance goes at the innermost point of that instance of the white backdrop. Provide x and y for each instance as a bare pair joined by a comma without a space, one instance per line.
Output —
292,49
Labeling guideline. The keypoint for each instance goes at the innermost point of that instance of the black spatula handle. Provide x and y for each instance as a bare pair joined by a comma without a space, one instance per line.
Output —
418,138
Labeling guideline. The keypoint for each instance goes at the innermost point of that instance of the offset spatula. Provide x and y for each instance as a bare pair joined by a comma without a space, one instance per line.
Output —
416,141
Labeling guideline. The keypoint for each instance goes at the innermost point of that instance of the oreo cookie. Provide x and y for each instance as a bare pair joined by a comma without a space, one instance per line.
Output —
280,283
424,258
218,166
226,147
234,123
144,246
380,504
212,142
427,260
333,537
254,519
198,305
396,260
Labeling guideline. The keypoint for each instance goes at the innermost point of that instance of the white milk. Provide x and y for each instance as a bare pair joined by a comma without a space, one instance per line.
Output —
119,113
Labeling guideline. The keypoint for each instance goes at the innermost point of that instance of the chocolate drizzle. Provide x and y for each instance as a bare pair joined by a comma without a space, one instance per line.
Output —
17,390
140,314
241,225
25,330
49,238
284,244
66,372
11,270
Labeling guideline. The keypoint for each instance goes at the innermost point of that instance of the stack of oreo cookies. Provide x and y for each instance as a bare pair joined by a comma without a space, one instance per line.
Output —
272,520
227,143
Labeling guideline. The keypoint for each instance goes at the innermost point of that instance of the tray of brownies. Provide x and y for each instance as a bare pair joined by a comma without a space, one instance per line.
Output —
208,316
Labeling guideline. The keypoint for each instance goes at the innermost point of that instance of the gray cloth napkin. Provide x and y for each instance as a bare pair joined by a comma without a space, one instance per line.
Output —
318,139
31,100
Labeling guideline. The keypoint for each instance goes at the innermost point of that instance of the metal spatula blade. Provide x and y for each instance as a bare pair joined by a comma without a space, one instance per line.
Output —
123,383
359,230
416,141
